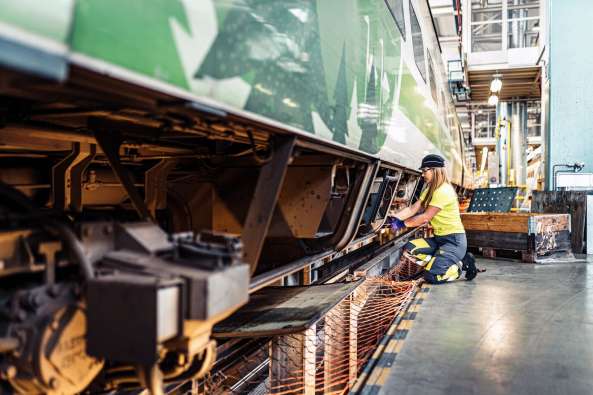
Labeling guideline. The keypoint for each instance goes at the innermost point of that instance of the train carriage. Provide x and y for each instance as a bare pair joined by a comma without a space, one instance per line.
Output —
174,156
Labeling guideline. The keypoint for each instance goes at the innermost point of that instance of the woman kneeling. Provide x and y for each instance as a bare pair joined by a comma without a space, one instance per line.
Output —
444,256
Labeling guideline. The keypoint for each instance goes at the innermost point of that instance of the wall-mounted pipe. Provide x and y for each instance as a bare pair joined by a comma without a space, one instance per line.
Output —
575,168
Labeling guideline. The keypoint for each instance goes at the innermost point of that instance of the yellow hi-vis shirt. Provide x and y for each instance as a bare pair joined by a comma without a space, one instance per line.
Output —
447,220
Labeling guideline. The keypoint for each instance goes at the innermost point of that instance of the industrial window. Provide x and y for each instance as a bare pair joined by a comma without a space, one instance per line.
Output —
523,23
432,79
486,25
417,43
485,124
486,10
396,7
523,9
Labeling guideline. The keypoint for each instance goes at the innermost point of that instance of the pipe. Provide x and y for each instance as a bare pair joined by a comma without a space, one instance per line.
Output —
75,247
518,142
509,147
21,201
576,167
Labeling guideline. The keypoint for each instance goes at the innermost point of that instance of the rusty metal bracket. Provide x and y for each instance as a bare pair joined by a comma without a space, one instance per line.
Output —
49,250
110,143
76,175
265,197
155,185
62,182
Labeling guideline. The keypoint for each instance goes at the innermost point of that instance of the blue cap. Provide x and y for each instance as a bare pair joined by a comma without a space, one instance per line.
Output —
432,160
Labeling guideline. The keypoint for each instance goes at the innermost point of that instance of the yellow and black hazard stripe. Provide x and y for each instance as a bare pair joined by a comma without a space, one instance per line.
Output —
422,251
375,375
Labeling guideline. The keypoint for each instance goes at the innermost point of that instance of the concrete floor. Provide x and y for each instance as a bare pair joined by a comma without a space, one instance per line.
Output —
518,329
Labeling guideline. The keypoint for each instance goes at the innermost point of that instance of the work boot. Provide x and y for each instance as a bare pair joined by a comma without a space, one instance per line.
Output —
469,266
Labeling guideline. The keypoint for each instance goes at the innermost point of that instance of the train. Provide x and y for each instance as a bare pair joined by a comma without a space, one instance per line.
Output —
160,160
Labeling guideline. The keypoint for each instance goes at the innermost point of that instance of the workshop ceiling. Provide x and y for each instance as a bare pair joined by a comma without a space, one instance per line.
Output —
516,83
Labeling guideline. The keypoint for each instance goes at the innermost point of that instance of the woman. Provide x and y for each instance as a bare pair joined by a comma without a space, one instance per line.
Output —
443,256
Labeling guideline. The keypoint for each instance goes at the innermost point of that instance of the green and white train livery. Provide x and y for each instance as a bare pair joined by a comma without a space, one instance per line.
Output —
367,74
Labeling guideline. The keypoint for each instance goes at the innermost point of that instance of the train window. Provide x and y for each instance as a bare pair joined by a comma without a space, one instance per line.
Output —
396,7
431,77
417,43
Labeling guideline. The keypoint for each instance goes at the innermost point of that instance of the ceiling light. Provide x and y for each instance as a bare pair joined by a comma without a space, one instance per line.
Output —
496,85
493,100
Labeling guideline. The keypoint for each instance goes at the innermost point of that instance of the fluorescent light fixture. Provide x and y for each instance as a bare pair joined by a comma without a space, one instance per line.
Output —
493,100
496,85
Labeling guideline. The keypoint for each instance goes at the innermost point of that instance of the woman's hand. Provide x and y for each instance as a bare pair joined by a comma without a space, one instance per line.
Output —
396,224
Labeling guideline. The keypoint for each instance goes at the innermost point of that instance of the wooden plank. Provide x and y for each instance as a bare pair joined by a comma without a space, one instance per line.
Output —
495,222
283,310
489,252
565,202
532,247
498,240
515,222
528,257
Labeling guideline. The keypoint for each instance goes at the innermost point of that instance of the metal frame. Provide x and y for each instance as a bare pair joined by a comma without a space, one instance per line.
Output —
265,197
110,143
155,185
504,21
67,176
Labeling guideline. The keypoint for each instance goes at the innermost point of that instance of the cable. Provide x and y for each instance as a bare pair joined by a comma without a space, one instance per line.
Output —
75,247
23,203
258,158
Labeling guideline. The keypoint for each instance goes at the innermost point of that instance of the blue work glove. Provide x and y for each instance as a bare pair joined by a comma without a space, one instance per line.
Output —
396,224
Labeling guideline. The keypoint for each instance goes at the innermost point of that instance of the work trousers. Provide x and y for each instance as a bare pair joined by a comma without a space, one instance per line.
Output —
440,256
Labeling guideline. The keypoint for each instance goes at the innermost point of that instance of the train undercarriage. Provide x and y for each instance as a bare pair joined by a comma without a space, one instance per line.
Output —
133,221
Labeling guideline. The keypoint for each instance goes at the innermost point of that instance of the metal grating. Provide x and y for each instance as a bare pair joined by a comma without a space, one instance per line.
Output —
493,200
